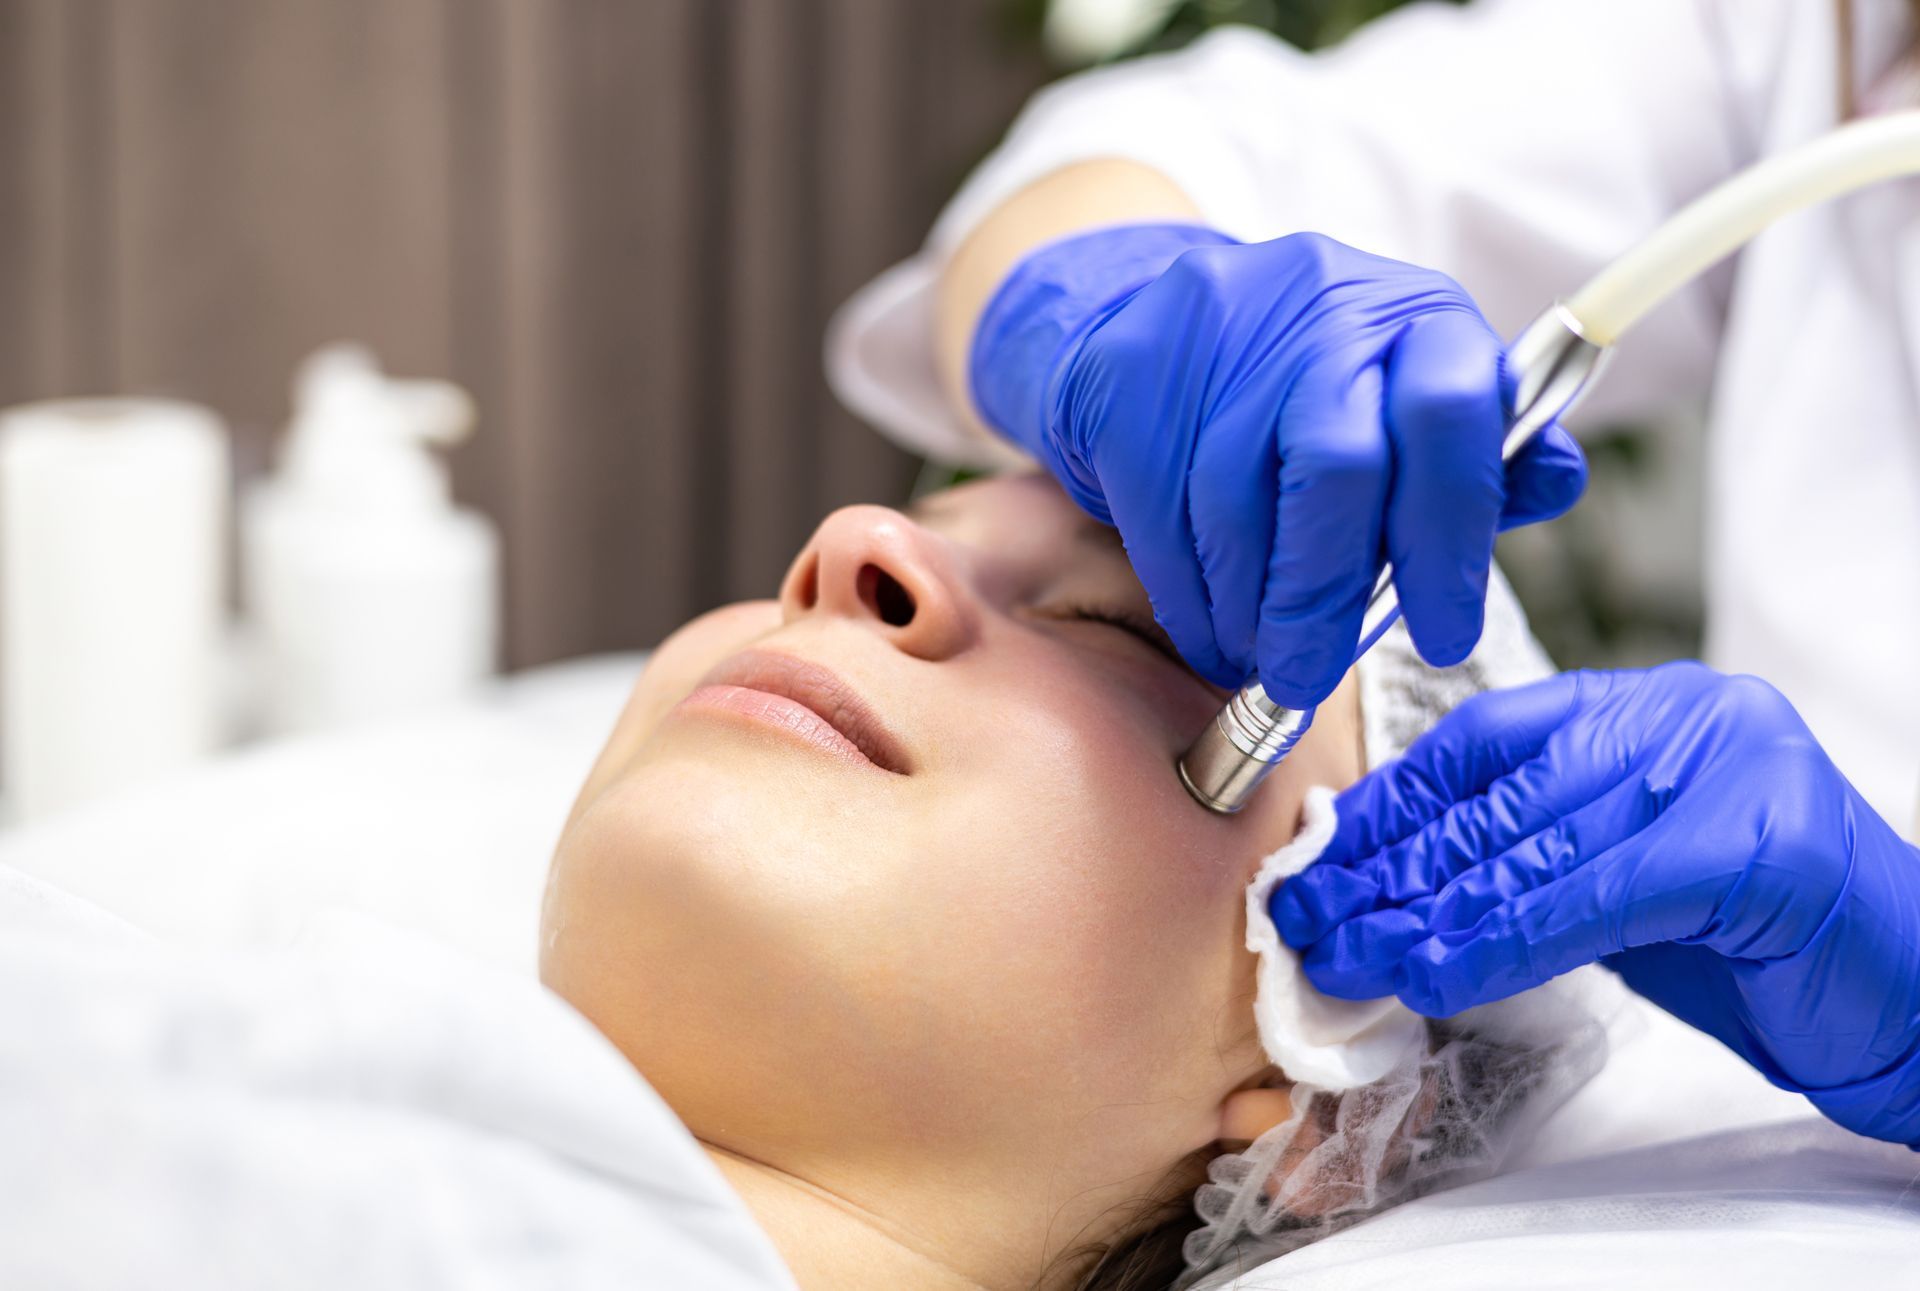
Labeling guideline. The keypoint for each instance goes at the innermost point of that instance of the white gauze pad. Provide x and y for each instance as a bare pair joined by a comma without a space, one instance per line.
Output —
1313,1038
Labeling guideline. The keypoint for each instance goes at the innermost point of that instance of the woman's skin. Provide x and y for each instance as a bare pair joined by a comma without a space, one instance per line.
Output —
941,1022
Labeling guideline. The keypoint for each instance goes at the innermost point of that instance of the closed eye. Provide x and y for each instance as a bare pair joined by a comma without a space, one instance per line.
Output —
1132,624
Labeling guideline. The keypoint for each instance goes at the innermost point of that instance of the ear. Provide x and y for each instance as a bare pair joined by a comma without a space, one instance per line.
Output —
1246,1114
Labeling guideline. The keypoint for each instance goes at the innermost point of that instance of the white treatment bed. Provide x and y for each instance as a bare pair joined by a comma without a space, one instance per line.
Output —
302,1099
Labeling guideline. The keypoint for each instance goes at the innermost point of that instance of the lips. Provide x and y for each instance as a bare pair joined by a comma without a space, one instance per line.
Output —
818,690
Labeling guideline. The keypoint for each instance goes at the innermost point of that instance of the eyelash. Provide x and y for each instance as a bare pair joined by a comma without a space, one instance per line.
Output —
1124,621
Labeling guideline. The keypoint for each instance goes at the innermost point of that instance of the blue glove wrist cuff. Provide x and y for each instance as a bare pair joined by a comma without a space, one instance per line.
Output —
1052,300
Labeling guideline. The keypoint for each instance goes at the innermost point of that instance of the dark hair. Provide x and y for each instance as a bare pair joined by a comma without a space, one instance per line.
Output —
1147,1257
1147,1261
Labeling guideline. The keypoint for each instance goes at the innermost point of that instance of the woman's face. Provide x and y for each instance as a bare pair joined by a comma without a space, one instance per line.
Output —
897,867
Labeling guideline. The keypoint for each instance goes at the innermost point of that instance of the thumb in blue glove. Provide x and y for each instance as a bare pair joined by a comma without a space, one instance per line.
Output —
1266,424
1680,826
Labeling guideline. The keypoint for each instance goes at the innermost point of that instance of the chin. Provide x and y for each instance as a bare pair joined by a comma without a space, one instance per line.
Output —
740,841
668,820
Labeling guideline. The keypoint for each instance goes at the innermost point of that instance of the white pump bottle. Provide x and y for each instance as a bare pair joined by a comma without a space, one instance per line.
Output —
370,593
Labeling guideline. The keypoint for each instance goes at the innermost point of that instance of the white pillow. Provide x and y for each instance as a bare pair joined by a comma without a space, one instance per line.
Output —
442,823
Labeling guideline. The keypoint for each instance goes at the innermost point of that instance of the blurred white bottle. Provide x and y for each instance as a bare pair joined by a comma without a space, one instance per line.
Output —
371,595
113,523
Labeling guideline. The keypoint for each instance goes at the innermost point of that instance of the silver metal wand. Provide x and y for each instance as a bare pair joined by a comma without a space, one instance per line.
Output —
1554,363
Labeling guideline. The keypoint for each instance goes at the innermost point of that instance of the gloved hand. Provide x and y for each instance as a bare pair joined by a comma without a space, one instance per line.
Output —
1265,423
1677,825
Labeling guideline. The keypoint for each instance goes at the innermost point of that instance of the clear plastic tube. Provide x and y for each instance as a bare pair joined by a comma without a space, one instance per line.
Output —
1725,219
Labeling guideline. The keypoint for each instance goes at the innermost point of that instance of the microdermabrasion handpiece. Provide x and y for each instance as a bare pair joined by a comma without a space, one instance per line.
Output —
1552,363
1553,360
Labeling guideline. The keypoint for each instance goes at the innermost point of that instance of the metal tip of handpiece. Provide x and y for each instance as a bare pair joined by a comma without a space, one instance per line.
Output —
1201,796
1236,751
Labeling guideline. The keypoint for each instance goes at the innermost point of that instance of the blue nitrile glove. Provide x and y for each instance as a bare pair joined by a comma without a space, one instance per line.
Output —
1265,424
1679,826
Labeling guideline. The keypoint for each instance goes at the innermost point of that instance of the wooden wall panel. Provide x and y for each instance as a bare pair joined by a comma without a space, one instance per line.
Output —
772,285
57,280
278,178
622,224
18,244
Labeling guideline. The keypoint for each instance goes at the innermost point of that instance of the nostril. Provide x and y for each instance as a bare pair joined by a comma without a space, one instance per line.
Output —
885,596
806,586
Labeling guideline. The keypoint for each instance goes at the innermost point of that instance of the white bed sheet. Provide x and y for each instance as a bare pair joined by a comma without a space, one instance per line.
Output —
1678,1167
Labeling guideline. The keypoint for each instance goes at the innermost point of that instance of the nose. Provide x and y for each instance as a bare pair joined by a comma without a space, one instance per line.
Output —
874,565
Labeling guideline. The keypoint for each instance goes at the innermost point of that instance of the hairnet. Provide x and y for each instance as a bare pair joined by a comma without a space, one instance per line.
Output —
1448,1112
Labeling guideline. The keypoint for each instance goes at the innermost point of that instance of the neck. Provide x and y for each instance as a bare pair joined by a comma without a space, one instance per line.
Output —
831,1242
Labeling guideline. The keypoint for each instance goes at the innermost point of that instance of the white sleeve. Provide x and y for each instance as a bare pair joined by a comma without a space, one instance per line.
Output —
1517,145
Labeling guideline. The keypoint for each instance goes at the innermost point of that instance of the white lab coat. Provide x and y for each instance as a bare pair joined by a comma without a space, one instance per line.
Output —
1519,145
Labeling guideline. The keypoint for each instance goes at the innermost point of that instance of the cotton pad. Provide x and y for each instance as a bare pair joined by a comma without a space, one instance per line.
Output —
1315,1039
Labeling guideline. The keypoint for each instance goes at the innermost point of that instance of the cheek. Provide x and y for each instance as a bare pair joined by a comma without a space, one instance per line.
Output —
1089,886
715,929
1089,958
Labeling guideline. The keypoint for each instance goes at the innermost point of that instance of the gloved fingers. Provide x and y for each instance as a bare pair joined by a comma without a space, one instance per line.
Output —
1312,903
1512,948
1360,955
1630,895
1544,479
1533,796
1445,419
1360,959
1327,545
1233,490
1589,831
1142,467
1160,546
1405,829
1467,751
